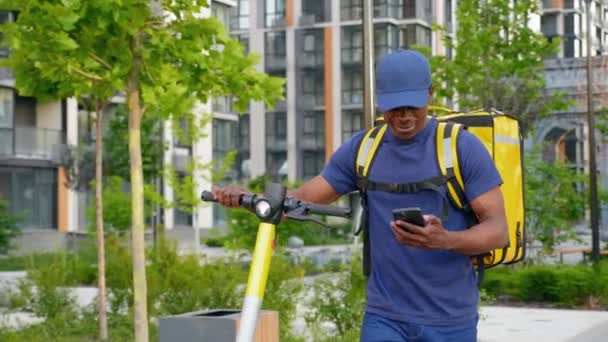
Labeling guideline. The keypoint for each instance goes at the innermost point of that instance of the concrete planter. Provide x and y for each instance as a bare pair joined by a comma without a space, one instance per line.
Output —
215,326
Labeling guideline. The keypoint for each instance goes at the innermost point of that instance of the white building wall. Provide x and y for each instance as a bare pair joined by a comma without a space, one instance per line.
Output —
72,140
257,118
48,115
336,73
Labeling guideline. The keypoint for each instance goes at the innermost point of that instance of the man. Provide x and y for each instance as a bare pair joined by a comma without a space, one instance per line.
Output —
422,284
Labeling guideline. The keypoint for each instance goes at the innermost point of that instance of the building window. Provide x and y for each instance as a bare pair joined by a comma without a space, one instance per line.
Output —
312,163
6,121
386,39
313,130
274,52
183,212
387,8
352,86
352,122
572,47
244,40
240,18
221,104
352,41
313,143
315,11
311,55
572,24
224,141
276,130
275,13
276,143
416,34
448,15
351,9
548,25
32,192
221,12
313,89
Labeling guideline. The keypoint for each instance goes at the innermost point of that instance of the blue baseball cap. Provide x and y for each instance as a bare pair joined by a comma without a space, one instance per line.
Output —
403,79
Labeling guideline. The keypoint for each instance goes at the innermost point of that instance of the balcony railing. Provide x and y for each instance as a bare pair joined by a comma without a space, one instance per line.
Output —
311,59
275,62
352,55
30,142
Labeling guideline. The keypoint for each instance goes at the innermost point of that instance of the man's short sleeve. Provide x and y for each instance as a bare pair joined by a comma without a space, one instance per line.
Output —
477,166
340,171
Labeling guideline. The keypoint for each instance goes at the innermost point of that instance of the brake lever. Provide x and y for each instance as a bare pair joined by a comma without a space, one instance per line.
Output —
301,214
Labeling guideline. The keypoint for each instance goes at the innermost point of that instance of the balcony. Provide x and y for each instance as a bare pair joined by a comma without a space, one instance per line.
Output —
311,101
276,143
312,142
25,142
311,59
352,56
275,62
351,13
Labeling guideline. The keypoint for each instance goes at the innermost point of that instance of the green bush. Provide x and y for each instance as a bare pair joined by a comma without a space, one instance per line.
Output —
178,284
338,298
8,227
561,285
284,290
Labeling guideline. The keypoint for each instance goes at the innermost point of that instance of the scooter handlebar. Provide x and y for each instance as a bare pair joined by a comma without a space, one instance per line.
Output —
329,210
288,205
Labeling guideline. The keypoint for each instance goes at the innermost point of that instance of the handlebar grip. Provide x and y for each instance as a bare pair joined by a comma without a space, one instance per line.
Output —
207,196
329,210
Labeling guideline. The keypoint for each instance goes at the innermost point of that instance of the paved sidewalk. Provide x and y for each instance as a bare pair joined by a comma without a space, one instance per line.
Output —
508,324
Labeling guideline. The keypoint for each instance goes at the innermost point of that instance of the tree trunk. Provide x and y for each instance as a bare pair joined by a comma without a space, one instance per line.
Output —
137,196
101,254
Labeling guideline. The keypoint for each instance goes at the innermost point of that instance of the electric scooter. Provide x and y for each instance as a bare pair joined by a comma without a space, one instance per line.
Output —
270,209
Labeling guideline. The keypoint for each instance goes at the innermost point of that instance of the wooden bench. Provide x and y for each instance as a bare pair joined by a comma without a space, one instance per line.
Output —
584,251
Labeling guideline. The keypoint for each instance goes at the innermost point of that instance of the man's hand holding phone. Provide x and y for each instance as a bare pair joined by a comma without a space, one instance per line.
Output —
414,229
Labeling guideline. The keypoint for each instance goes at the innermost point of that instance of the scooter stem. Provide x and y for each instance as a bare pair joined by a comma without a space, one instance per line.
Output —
256,284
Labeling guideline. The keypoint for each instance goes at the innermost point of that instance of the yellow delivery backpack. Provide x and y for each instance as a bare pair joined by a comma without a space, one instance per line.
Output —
501,135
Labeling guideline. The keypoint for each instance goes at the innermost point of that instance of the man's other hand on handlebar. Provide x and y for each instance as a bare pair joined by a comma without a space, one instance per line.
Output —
228,196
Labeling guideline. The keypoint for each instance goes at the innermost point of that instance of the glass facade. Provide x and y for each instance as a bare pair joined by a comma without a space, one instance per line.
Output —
315,11
240,16
276,144
6,121
312,143
352,45
275,51
221,12
352,122
352,86
224,142
32,192
274,13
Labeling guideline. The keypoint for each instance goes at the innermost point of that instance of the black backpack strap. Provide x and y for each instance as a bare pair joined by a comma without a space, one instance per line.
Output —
432,184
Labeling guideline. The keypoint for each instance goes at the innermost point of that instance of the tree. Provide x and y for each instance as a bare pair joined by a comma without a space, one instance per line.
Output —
551,211
498,60
116,156
48,70
161,55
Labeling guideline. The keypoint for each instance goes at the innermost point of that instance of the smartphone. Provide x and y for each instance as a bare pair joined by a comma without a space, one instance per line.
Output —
410,215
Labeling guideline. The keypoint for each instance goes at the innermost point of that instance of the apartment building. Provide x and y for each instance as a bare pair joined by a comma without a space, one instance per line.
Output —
567,131
34,140
317,45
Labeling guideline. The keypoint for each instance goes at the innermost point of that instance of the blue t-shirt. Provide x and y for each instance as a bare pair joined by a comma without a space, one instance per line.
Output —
431,287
